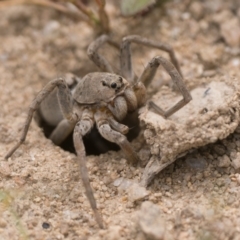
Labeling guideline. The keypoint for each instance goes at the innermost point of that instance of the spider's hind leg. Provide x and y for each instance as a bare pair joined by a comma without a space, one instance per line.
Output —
64,98
126,58
98,59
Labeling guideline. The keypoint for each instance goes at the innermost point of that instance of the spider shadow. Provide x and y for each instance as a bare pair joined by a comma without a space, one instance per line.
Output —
94,143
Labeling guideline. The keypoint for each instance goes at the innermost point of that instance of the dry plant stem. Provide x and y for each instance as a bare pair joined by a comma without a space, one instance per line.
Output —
101,21
103,15
88,12
44,3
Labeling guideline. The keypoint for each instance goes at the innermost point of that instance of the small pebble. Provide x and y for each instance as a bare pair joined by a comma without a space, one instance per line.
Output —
230,30
151,222
5,169
219,149
3,223
224,161
236,162
45,225
136,192
197,163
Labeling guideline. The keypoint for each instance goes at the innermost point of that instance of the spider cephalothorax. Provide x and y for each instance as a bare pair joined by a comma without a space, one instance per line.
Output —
102,98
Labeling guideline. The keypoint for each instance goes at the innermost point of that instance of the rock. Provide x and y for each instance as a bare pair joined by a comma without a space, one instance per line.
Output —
211,56
144,155
197,10
224,161
51,28
230,30
219,149
212,114
236,161
5,169
197,163
114,233
134,190
3,223
229,27
137,192
64,229
222,16
151,222
122,183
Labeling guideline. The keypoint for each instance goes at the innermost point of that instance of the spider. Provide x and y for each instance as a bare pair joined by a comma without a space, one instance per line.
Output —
104,98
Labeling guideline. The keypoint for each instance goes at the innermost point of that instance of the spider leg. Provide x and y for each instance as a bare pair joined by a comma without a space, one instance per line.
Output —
111,135
82,128
99,60
62,131
126,61
64,98
118,126
150,70
120,108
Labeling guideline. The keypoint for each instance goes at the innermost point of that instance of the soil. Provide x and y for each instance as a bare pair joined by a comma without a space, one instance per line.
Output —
195,197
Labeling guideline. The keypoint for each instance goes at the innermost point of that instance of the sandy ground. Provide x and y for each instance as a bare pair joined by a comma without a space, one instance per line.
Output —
42,197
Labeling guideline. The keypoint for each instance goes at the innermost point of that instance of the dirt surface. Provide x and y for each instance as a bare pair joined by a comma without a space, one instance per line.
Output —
196,197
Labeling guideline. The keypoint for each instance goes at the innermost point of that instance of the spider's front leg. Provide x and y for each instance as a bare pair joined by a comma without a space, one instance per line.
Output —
106,125
81,129
65,102
173,69
149,72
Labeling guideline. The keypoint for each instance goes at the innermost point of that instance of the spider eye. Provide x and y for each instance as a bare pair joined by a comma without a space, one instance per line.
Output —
120,79
103,83
113,85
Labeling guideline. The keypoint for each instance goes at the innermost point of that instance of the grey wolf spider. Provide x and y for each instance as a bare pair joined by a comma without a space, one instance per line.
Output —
105,98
